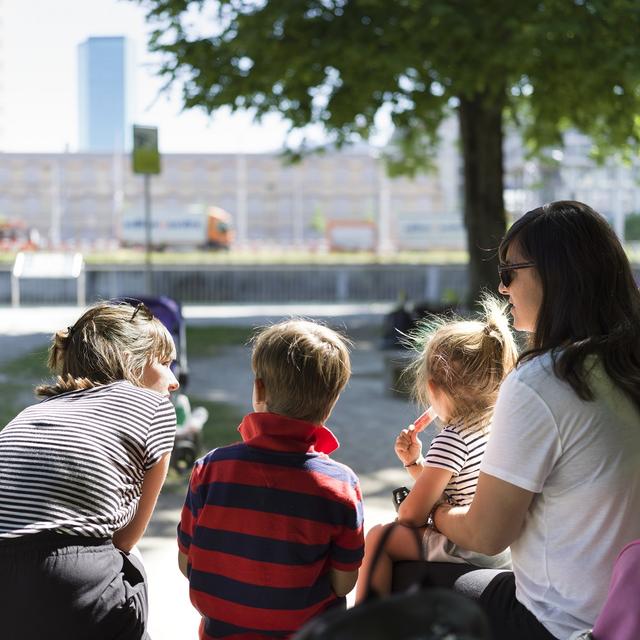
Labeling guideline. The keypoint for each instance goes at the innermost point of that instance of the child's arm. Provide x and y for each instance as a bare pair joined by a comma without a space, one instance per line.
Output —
183,561
189,517
492,521
428,489
343,581
130,534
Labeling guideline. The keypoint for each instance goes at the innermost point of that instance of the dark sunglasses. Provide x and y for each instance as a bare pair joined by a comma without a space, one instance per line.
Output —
144,311
505,271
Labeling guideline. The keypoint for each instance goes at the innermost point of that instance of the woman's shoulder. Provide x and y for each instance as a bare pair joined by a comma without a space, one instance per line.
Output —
534,382
533,371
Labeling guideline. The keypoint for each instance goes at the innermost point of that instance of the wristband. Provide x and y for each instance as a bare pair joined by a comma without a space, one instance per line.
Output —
417,462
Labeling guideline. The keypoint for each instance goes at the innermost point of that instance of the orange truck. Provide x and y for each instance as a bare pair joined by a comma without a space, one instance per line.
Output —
219,229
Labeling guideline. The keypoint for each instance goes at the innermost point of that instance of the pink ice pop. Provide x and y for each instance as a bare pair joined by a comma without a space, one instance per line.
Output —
424,420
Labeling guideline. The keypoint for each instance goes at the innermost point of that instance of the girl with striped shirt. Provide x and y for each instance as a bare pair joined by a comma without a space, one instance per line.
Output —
80,473
458,372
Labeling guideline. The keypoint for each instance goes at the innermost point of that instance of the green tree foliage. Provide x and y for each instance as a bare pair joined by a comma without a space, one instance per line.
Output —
632,227
546,65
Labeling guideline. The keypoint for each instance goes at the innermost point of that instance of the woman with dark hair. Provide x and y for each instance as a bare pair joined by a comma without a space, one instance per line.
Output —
80,473
560,479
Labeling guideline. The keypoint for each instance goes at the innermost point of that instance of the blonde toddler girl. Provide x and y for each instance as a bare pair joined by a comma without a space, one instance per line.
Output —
458,372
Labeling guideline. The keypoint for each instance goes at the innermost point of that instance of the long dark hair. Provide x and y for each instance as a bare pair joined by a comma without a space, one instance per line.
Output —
590,301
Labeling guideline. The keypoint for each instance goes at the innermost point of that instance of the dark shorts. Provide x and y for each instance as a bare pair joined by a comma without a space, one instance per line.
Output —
65,587
494,590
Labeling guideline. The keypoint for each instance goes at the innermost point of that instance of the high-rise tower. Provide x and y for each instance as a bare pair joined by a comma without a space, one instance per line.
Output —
2,70
105,66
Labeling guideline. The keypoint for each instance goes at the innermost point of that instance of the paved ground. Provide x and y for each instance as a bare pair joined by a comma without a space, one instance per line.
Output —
365,420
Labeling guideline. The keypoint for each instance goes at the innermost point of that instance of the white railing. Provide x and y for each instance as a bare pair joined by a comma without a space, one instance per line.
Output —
254,284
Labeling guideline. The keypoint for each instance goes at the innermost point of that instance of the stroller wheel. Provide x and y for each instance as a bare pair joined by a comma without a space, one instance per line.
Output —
183,457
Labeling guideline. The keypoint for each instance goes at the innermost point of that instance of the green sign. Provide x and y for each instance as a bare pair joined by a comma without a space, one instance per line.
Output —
145,157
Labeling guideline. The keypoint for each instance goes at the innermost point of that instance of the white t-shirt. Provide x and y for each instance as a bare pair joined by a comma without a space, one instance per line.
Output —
582,460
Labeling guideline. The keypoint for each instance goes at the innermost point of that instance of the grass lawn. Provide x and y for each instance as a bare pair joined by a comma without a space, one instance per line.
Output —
31,367
257,257
266,257
18,378
203,342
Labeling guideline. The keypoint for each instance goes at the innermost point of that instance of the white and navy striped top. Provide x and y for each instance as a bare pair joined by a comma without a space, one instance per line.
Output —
74,463
460,450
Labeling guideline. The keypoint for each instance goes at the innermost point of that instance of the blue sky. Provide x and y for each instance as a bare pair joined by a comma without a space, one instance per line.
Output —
38,58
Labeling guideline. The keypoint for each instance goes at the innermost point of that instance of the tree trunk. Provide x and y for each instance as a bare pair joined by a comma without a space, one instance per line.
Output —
484,215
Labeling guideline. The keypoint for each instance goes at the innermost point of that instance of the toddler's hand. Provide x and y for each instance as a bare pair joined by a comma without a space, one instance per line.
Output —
408,446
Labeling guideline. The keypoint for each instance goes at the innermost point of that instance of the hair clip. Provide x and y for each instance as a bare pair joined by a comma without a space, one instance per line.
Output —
141,306
71,330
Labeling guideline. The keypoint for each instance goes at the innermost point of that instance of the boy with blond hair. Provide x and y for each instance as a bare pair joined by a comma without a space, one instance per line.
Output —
271,530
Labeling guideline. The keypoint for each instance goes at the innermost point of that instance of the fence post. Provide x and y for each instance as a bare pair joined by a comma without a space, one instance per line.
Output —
342,285
15,291
432,283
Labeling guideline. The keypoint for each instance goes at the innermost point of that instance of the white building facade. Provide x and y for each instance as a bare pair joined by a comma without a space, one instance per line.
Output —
79,198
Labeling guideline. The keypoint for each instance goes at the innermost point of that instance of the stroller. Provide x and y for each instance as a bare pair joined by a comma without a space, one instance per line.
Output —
190,422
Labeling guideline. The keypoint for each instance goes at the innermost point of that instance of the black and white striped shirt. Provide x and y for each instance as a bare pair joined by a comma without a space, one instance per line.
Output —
459,450
74,463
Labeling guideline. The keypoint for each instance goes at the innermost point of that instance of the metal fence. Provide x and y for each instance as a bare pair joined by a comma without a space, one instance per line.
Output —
254,284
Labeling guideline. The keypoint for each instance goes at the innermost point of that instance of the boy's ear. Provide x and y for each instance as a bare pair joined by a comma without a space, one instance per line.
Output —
259,390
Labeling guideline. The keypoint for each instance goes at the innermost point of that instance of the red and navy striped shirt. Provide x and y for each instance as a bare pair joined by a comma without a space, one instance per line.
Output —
263,523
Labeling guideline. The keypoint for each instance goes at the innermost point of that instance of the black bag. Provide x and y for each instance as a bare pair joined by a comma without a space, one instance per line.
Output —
420,613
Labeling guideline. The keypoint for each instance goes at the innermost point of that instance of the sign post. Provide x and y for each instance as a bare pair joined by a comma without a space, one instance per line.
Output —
146,161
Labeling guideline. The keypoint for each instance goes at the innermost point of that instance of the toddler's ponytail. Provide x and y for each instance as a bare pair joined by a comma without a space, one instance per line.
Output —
499,343
467,359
